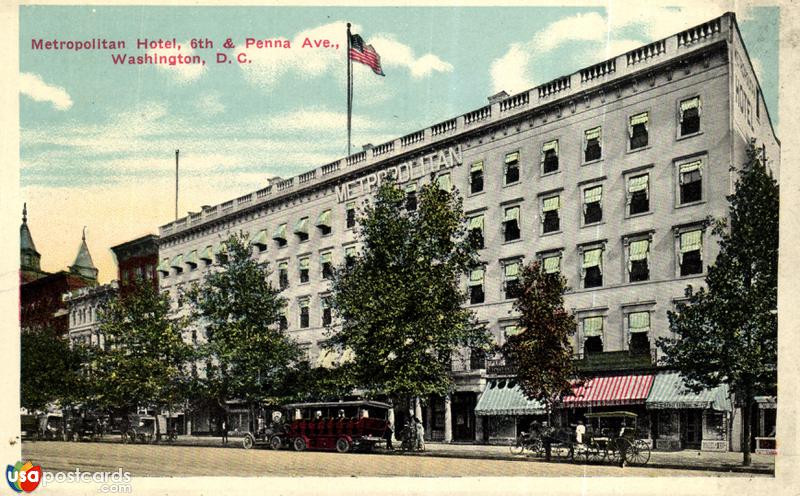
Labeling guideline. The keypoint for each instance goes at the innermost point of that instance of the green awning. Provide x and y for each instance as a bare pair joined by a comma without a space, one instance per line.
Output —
301,226
326,257
638,250
512,157
476,222
163,266
638,322
550,145
304,263
511,270
511,213
691,241
504,397
638,183
207,254
593,195
324,219
550,204
260,238
552,264
593,133
670,391
477,166
639,119
177,262
592,326
191,257
476,277
592,258
280,232
690,104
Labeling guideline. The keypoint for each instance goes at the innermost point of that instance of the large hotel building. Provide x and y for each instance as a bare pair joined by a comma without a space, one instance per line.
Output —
608,175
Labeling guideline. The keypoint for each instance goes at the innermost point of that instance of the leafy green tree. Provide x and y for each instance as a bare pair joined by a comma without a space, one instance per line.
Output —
400,300
249,357
51,370
727,333
145,361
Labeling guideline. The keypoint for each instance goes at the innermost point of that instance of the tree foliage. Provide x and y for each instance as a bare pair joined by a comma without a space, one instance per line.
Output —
249,357
541,352
400,301
145,359
727,332
51,371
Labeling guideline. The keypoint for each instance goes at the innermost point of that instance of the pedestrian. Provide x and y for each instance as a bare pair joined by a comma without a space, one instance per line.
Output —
580,430
224,431
340,414
420,431
388,434
622,445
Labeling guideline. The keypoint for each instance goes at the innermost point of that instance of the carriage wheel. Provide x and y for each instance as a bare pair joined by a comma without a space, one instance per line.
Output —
538,448
247,442
518,447
299,444
275,442
639,453
621,445
132,437
342,445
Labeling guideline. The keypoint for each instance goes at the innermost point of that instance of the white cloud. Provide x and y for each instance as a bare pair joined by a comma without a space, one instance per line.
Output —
210,104
396,54
32,86
181,73
609,35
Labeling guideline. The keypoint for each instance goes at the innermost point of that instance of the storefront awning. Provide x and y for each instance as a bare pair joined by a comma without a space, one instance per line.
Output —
504,397
610,391
669,391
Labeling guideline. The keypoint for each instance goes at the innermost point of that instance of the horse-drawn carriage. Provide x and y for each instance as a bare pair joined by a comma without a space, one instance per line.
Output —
331,426
608,436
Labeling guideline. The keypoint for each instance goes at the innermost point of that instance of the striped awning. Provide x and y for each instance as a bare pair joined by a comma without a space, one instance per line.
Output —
504,397
610,391
669,391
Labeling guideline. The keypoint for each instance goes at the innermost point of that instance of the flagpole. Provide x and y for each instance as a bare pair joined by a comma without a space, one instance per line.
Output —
349,91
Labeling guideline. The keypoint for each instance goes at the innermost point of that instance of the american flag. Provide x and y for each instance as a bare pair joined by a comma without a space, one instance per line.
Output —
365,54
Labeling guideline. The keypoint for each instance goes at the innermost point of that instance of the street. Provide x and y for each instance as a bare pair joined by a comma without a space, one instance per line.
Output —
159,460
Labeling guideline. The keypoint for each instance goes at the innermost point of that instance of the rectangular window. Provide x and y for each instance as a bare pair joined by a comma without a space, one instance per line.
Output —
511,279
638,332
511,224
592,268
304,315
638,194
592,335
324,222
326,262
637,130
592,205
690,116
550,157
411,197
283,321
301,229
552,263
476,177
550,219
350,210
476,231
691,252
638,264
592,149
512,167
283,275
350,256
304,265
280,235
476,291
691,181
326,311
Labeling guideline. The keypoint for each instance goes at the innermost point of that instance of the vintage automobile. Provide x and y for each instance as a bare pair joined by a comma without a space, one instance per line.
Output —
29,427
141,428
51,426
331,426
608,435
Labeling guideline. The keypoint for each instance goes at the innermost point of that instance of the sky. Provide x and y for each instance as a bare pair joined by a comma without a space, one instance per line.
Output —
98,140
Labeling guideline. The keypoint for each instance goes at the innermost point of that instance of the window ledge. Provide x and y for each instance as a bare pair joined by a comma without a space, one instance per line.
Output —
687,136
594,224
595,161
511,242
692,276
551,233
477,193
640,214
515,183
691,204
551,173
641,148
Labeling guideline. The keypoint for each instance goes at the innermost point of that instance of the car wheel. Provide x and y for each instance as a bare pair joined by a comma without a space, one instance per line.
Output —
342,445
248,442
299,444
275,442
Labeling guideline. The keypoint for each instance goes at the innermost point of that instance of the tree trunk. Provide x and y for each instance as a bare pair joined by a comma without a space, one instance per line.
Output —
747,422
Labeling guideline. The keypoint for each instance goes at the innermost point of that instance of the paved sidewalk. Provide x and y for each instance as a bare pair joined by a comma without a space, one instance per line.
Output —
687,459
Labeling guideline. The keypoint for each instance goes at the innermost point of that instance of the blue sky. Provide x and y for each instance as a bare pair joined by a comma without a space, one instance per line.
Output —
98,140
